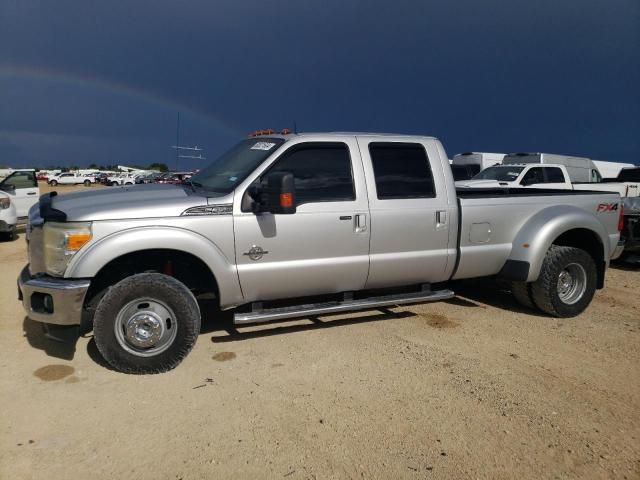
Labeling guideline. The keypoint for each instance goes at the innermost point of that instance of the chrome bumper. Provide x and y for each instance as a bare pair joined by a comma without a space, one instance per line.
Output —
618,250
52,300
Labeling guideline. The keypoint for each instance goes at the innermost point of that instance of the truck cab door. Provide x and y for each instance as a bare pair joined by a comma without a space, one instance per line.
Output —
22,186
323,247
413,211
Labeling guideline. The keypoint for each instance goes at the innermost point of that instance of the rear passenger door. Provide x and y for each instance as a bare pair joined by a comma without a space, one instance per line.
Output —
324,246
411,236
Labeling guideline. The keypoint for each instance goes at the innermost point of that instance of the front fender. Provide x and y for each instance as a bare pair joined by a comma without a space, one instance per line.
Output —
88,262
538,234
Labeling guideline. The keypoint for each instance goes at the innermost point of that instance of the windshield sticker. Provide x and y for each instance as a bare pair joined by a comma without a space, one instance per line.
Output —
263,146
233,179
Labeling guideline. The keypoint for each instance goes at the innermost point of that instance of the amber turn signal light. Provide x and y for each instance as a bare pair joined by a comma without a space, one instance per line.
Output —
286,200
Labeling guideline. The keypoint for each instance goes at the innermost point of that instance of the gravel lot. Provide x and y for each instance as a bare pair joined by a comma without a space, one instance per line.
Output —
475,387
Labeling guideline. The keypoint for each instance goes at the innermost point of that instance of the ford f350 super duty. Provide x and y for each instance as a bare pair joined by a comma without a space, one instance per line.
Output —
292,225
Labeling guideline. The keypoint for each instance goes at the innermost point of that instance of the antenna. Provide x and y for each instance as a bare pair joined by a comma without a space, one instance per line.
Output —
295,127
179,148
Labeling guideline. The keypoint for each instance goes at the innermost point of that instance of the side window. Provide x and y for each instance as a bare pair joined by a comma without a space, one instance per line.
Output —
322,171
21,180
401,170
534,175
554,175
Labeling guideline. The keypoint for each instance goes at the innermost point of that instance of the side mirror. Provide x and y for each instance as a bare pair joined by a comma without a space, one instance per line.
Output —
281,193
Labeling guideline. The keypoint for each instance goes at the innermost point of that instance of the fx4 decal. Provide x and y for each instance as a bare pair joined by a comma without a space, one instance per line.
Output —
607,207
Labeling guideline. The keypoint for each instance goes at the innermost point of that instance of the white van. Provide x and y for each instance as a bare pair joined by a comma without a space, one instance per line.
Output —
466,165
611,169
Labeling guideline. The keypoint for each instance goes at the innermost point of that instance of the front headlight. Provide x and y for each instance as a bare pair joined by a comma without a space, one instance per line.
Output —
5,202
61,242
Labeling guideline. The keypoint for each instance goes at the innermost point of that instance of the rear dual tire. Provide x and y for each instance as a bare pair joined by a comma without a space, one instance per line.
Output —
566,284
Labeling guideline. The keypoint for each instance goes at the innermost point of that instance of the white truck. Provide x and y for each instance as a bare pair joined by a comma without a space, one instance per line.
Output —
295,225
124,178
527,175
70,178
18,193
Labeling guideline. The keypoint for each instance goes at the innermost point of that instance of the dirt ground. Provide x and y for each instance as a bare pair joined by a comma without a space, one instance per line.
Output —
475,387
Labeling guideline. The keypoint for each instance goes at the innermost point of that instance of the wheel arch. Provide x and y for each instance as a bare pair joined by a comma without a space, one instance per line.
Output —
158,249
560,225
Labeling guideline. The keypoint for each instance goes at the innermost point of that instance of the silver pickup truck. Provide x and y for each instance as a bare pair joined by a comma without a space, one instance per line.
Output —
291,225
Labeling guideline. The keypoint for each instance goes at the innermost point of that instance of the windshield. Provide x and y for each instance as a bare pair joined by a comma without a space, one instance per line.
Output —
501,173
225,173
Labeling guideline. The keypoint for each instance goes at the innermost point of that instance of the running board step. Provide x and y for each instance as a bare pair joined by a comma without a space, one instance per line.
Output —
297,311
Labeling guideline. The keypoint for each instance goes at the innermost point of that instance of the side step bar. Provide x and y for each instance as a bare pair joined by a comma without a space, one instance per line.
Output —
265,315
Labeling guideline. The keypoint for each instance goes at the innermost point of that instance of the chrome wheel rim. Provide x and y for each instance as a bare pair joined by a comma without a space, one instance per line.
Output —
145,327
572,283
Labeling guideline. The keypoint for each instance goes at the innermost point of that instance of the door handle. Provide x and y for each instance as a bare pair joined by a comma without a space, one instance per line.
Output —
441,218
361,223
31,193
345,217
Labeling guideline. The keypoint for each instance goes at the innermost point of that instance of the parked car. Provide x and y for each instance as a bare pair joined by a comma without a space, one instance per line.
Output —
69,178
286,226
123,179
174,178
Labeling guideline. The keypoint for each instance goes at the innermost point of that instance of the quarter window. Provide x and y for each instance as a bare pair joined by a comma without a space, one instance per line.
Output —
554,175
401,170
322,172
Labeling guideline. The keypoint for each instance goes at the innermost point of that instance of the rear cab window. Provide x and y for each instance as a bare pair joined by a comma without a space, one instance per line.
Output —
401,171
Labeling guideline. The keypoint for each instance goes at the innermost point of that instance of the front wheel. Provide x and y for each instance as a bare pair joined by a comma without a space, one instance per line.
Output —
53,183
567,282
87,183
146,323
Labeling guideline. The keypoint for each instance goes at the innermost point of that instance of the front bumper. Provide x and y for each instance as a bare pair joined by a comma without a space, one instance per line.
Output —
6,227
52,300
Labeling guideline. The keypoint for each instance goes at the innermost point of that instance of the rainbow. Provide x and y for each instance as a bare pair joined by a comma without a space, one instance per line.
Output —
121,89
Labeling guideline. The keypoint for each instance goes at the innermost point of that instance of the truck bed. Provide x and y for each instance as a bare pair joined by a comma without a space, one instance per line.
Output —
491,222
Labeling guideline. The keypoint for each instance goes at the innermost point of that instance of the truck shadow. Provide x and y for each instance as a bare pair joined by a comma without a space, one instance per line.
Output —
35,335
627,265
221,324
478,293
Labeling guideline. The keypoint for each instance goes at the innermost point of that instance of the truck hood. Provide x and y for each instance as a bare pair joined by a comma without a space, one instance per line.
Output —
481,184
135,201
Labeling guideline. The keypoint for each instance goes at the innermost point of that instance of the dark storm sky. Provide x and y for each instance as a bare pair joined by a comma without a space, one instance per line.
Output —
101,82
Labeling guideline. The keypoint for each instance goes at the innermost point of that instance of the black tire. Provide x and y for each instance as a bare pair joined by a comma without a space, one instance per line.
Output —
7,236
53,183
112,184
87,183
544,291
522,293
126,357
